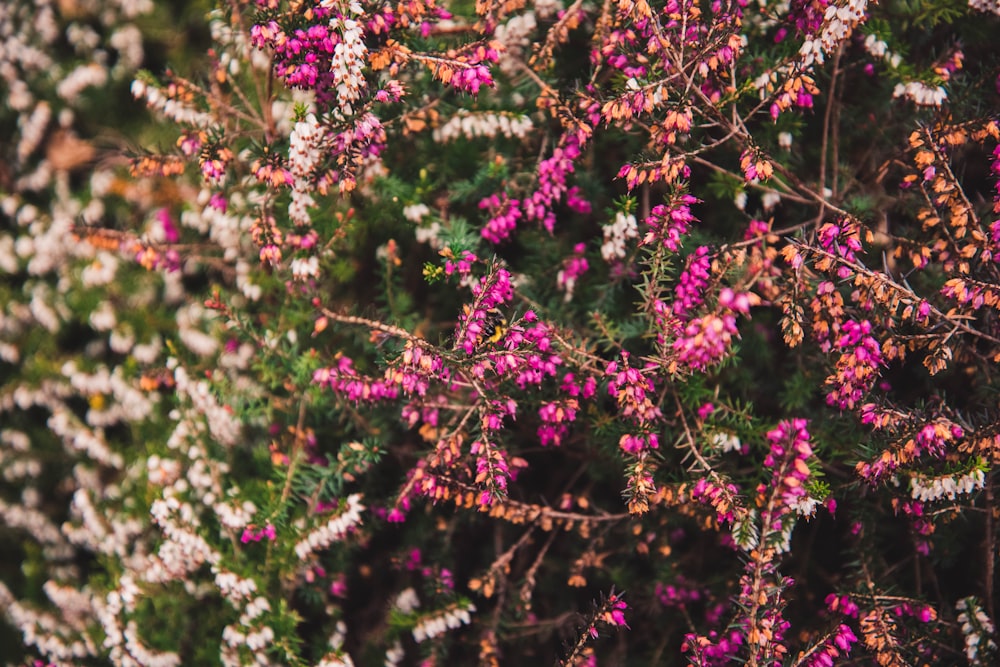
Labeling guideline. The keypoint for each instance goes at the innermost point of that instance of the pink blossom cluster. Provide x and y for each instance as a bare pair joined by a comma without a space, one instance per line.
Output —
489,292
689,293
760,591
678,594
706,340
968,292
920,523
839,642
365,138
255,534
552,186
504,213
555,417
670,222
807,15
669,170
573,267
612,612
461,265
713,650
635,444
344,379
995,169
633,391
800,98
721,496
473,77
842,240
526,356
492,471
302,59
858,366
213,161
415,369
788,458
842,604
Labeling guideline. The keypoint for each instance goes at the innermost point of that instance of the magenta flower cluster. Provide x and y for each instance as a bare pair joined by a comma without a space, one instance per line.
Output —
489,292
788,459
303,59
838,643
857,368
841,240
633,390
539,206
706,340
670,222
689,293
504,213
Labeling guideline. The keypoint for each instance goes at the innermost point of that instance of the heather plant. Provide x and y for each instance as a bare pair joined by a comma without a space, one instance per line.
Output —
505,333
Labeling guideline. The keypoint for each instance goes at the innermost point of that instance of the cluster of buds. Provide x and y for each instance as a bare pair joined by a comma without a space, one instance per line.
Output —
788,458
858,366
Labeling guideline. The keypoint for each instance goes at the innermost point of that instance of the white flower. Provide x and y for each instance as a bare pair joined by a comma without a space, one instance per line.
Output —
407,601
921,94
333,530
303,269
624,227
416,212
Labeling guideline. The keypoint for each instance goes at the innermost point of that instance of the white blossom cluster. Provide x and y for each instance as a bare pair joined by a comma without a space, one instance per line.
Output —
92,529
232,47
58,638
615,236
170,109
487,124
726,441
337,657
81,78
305,150
224,427
122,400
226,228
333,530
127,41
394,654
191,331
305,268
407,601
251,632
335,660
33,128
430,234
27,30
838,24
927,489
437,624
416,212
992,6
121,636
78,438
39,527
515,35
921,94
348,60
977,629
546,9
878,48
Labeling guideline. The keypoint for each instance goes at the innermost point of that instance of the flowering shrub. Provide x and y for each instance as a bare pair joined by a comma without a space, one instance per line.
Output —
452,333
